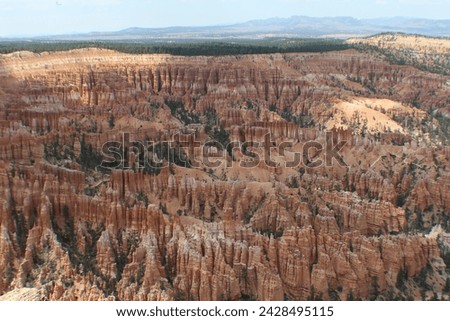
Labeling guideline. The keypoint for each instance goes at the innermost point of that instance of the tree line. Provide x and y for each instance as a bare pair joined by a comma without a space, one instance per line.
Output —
184,48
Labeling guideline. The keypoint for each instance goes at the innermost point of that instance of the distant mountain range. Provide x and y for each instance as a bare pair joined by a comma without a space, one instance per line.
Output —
296,26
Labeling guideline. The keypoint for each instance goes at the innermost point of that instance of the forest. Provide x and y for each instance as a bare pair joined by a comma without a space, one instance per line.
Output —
183,48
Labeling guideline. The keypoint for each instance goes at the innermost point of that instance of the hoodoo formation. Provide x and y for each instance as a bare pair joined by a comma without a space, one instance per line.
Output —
375,226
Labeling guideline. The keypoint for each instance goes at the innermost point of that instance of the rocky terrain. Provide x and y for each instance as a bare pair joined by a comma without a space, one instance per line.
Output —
372,225
430,54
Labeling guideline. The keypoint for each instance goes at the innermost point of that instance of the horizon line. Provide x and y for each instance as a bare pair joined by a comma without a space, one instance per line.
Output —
93,32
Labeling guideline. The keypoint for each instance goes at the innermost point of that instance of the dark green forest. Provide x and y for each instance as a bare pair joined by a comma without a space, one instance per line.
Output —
184,48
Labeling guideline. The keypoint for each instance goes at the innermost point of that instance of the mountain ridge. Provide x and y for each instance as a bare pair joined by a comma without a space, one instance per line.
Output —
294,27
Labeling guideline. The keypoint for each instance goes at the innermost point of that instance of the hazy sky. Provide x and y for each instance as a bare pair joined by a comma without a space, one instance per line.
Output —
39,17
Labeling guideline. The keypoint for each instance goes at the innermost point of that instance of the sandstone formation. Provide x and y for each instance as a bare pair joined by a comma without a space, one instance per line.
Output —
73,231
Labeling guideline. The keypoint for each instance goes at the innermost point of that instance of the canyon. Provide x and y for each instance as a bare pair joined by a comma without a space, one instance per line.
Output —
373,228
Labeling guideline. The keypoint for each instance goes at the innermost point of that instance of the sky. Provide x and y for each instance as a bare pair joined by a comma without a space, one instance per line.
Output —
56,17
